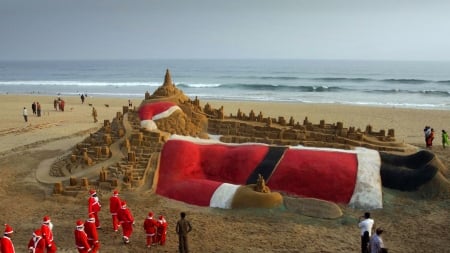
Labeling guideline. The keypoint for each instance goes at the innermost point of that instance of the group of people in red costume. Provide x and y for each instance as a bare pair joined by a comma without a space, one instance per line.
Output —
86,234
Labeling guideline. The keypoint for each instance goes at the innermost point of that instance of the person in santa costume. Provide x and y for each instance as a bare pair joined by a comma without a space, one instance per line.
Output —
36,243
81,240
94,206
91,231
162,230
47,234
150,227
114,207
6,243
126,220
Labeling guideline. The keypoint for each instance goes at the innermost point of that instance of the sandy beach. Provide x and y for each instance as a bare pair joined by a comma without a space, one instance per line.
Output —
412,224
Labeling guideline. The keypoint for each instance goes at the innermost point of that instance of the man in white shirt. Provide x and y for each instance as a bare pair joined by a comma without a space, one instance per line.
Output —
366,226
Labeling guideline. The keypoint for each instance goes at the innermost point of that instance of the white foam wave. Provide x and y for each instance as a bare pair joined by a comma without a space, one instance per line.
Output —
80,83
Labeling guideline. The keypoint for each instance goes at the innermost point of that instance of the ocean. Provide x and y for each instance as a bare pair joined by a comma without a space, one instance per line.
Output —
423,85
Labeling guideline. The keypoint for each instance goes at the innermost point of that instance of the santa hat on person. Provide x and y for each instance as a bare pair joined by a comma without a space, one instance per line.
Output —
8,229
123,204
161,219
92,192
91,218
80,225
150,112
46,219
37,233
115,192
150,215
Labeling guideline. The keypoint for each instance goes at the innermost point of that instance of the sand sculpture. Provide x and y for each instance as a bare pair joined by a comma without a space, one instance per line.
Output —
127,154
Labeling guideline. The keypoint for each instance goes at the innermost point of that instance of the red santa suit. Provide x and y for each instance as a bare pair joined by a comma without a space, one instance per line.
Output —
114,207
150,227
126,221
162,230
6,244
36,243
208,172
94,206
81,240
47,234
91,231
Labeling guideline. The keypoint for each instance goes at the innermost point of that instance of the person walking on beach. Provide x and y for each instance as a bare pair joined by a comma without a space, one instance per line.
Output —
92,235
114,207
182,229
150,227
81,240
33,107
47,234
6,244
444,139
161,230
36,243
126,220
94,114
376,242
94,206
366,226
82,98
25,114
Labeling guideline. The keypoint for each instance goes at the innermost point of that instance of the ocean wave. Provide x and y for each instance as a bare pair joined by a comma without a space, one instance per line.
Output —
279,87
198,85
80,83
441,93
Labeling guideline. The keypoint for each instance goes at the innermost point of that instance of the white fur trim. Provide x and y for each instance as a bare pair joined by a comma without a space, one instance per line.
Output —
149,125
368,190
223,196
166,113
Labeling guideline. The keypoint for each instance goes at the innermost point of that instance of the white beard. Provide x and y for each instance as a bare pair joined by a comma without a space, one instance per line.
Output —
50,225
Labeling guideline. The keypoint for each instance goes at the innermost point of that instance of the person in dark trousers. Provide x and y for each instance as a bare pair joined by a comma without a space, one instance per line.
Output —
183,228
33,107
366,226
82,98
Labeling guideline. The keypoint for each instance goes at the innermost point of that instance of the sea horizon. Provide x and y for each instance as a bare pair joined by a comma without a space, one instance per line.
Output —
403,84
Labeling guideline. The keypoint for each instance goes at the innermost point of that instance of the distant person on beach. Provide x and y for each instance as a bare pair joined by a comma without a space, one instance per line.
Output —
430,139
25,114
182,229
126,220
94,206
33,107
444,139
92,235
366,226
161,230
376,242
427,133
6,244
47,234
94,114
81,240
150,227
114,207
38,109
62,103
55,104
82,98
36,243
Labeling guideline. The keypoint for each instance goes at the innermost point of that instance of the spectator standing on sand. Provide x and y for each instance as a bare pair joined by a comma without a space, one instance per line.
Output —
444,139
366,226
61,105
182,229
430,139
38,109
33,107
55,104
114,207
25,114
376,242
6,244
94,114
82,98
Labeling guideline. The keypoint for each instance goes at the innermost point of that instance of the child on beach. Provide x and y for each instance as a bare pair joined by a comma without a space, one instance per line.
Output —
444,138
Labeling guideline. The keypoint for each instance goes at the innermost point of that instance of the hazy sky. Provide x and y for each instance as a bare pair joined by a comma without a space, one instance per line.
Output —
314,29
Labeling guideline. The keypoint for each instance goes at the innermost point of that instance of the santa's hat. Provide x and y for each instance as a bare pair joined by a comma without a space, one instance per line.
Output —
123,204
92,192
37,233
46,219
115,192
154,111
150,214
91,218
80,224
8,229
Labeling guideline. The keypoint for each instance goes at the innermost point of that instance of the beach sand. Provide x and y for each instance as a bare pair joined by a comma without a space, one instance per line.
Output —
412,224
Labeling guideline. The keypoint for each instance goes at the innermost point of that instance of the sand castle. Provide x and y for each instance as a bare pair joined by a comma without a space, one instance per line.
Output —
122,155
